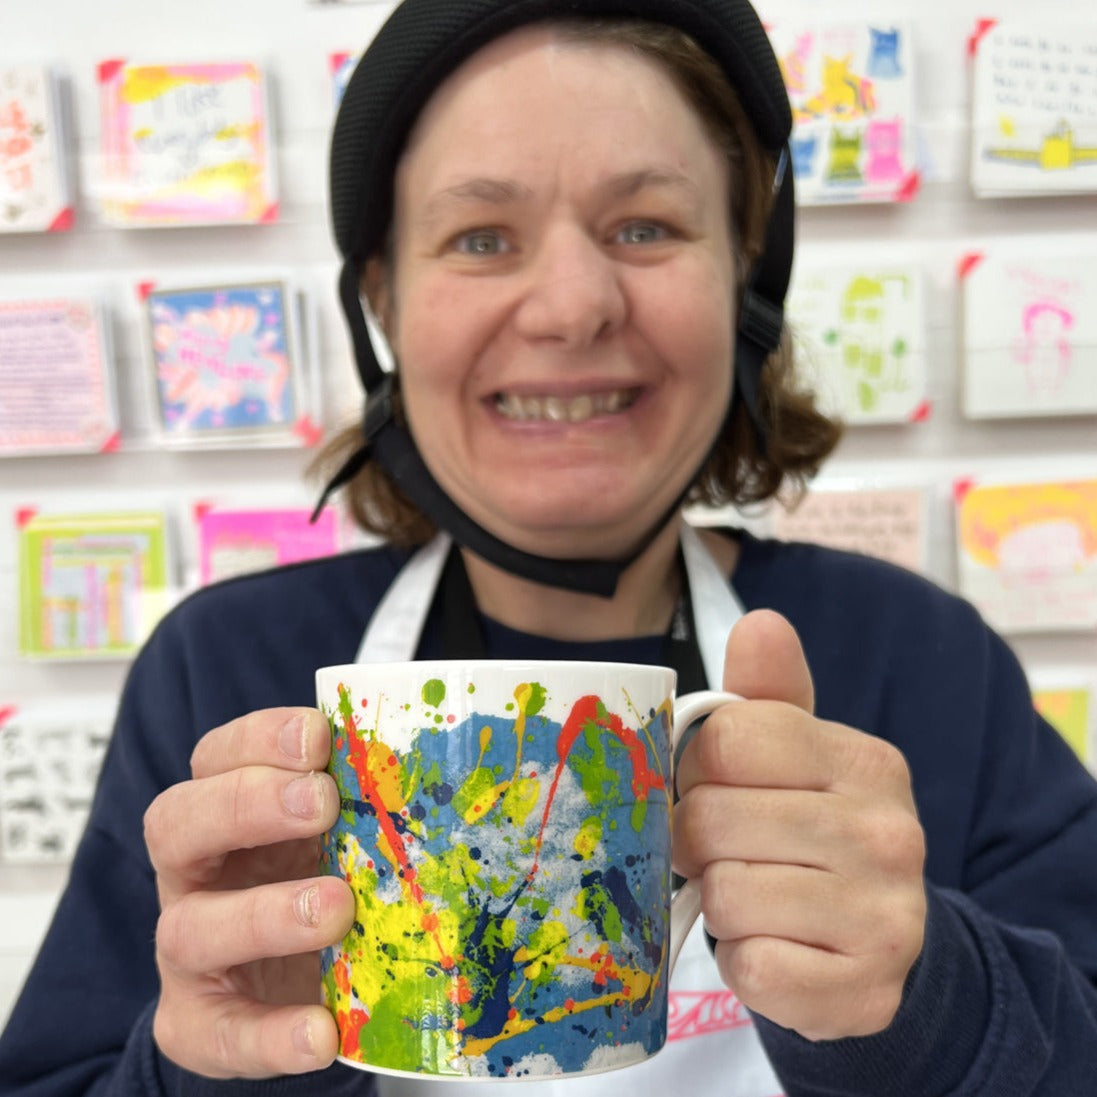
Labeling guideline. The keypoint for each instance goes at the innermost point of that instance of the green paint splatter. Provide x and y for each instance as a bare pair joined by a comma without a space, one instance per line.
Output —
434,692
534,700
476,796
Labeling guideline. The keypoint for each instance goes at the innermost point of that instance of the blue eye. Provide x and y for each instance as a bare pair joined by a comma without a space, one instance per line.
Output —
481,242
641,232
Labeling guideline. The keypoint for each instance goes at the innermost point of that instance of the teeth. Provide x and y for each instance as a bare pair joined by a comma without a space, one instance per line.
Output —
557,409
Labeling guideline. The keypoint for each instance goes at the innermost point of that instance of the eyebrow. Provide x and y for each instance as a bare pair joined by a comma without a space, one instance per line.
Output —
495,192
502,192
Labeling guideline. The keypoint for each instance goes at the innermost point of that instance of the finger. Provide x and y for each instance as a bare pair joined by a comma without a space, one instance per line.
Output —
764,659
207,932
192,826
779,826
245,1039
292,738
762,744
798,986
807,905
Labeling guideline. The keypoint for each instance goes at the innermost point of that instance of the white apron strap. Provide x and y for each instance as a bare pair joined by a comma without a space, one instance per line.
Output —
397,623
715,605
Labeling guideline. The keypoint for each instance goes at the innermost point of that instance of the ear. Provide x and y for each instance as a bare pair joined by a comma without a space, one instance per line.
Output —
376,286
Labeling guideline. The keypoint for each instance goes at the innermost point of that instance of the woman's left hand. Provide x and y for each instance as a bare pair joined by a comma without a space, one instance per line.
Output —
806,839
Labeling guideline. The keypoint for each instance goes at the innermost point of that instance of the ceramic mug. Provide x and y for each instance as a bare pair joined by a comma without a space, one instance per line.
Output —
505,829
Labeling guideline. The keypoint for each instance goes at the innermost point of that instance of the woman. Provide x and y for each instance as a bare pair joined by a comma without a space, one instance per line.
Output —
564,230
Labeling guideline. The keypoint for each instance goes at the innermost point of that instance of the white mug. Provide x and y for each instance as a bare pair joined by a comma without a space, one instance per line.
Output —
505,828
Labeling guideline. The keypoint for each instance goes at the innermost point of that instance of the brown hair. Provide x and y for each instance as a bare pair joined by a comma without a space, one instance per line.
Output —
739,470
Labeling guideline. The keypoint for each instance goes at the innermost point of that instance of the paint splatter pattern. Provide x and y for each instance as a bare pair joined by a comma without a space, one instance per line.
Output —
510,884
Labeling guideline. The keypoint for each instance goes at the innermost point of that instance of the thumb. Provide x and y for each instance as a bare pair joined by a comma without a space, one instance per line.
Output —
764,661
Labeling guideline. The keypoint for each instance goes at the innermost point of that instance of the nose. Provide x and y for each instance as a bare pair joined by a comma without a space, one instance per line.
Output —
574,293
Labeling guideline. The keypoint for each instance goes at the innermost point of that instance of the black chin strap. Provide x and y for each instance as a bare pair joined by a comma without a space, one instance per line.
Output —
761,321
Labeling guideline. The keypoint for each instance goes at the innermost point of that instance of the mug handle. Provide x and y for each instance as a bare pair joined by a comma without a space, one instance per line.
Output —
686,905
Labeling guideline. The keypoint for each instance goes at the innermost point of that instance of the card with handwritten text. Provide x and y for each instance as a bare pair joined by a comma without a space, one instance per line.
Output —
56,378
50,756
1034,107
888,523
186,144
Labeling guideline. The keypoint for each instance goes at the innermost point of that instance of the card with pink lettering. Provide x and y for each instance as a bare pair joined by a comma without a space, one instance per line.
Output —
185,144
34,184
56,378
851,88
1030,331
226,364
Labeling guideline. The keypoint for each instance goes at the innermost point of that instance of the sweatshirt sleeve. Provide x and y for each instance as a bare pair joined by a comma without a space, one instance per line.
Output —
1003,999
82,1026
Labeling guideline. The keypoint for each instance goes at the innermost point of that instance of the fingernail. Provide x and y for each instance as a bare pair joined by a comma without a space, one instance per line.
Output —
291,739
306,906
302,1039
303,796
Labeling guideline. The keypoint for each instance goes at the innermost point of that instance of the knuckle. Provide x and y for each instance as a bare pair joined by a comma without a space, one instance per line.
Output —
239,801
717,741
897,841
750,966
175,937
717,884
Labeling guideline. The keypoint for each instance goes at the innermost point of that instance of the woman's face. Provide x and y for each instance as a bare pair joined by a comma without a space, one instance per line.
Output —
561,302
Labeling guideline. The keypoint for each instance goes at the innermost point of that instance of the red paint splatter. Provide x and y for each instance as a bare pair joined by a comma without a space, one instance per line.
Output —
350,1028
584,711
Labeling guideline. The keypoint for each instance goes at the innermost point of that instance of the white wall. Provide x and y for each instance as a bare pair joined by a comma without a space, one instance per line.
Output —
293,39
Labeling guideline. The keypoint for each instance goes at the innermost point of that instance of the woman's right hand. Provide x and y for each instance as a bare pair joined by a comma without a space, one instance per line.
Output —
243,913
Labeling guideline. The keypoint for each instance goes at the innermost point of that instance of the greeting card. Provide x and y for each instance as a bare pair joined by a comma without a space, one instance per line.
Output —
56,381
1068,701
1034,107
227,364
90,584
860,334
234,541
50,756
888,523
1030,332
1028,553
186,144
34,186
852,95
340,67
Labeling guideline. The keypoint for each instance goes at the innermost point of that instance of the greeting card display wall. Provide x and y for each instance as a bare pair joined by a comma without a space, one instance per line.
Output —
189,369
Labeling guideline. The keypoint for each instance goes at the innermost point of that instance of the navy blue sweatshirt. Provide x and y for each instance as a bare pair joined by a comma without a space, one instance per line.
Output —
1002,1001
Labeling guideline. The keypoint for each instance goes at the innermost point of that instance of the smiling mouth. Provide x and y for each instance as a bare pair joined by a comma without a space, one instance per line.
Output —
564,409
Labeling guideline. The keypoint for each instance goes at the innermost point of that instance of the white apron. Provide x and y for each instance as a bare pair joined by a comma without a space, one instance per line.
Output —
712,1049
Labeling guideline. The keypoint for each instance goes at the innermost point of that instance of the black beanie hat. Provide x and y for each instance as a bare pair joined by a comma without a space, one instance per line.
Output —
423,41
420,44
